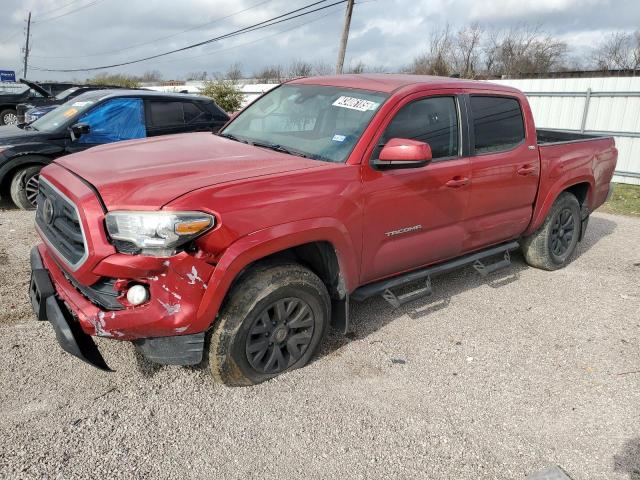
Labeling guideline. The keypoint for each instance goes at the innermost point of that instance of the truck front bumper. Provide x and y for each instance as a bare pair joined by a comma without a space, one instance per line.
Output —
47,307
51,304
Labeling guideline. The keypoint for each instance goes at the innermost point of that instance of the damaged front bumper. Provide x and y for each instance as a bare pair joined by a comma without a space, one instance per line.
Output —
162,330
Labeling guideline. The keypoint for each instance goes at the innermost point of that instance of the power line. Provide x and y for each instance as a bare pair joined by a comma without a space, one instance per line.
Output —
252,41
257,26
94,2
160,38
47,12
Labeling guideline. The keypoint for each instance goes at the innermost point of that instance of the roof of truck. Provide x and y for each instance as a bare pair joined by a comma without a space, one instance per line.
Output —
389,83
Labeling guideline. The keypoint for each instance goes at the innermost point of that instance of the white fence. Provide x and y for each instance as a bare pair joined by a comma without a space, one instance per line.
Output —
608,106
251,91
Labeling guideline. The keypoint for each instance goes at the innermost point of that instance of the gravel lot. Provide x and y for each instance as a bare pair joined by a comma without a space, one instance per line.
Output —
489,378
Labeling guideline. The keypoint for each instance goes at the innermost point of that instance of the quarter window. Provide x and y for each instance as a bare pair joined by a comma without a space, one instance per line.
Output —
432,120
497,123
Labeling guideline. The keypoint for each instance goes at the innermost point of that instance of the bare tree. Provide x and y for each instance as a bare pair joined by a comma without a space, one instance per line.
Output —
151,76
300,68
438,59
619,50
197,76
234,72
523,50
270,74
322,68
359,67
467,50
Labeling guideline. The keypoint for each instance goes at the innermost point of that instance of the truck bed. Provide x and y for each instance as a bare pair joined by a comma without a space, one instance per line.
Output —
550,136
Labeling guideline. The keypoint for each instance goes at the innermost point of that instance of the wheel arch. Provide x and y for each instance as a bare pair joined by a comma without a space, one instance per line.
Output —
322,245
18,162
582,188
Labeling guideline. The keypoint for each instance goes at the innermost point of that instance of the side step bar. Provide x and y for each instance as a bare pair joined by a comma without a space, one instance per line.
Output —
384,287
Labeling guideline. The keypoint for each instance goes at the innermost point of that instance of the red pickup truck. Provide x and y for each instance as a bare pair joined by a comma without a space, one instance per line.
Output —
241,248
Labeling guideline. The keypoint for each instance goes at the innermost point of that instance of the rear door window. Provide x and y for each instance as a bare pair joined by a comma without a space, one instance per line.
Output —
498,125
166,114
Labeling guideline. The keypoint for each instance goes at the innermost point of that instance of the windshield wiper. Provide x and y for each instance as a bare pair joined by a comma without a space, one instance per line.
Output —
231,137
279,148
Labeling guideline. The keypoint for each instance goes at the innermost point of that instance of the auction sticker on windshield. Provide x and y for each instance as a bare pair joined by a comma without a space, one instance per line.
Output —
355,103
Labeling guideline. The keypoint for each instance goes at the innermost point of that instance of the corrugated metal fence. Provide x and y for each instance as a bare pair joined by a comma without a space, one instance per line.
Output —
609,106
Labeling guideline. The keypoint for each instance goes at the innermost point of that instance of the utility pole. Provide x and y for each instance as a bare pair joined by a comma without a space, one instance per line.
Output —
26,47
345,36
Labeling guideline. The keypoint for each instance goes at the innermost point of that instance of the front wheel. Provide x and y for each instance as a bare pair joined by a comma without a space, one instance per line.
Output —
553,245
24,187
8,117
273,322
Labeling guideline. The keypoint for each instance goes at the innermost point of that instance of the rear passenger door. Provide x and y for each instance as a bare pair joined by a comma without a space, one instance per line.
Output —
505,170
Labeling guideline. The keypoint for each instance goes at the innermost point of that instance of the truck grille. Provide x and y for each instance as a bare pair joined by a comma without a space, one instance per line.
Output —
58,220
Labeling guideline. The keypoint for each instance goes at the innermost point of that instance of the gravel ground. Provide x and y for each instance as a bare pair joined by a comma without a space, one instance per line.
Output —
489,378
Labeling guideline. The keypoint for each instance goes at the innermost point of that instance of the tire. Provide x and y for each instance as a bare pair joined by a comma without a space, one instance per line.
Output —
8,117
24,187
257,322
553,245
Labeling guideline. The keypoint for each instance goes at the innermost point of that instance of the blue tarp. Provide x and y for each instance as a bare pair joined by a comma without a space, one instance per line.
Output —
115,120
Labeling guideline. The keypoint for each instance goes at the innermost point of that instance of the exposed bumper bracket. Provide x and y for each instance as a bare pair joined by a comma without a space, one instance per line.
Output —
47,307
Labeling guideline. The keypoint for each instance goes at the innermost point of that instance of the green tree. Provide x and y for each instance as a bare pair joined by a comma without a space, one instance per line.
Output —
225,93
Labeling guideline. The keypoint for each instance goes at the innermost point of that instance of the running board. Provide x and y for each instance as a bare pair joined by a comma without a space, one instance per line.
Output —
384,287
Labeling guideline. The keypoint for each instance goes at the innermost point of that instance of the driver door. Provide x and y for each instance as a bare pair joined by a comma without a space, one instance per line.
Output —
416,216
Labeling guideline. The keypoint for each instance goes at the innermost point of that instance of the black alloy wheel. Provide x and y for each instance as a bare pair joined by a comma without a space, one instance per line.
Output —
562,232
280,335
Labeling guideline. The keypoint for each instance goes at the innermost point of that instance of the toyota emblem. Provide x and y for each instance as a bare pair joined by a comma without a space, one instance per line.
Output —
47,211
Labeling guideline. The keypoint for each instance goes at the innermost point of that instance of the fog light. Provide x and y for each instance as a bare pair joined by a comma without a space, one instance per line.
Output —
137,295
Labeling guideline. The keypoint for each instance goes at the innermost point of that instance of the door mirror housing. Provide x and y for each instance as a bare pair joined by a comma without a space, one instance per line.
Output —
404,153
78,130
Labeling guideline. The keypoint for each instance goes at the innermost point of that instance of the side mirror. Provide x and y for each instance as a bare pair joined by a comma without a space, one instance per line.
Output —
78,130
404,153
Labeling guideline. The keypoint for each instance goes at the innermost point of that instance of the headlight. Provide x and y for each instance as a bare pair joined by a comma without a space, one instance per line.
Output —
157,234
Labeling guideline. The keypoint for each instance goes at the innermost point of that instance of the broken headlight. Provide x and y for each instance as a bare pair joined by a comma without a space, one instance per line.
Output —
157,234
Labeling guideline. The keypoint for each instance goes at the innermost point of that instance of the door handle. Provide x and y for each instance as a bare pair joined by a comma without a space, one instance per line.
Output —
457,182
526,170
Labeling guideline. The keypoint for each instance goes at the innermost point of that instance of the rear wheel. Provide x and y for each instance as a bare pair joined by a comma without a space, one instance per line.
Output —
273,322
8,117
553,245
24,187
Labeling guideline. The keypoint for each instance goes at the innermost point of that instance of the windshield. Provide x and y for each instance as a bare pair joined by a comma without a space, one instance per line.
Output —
314,121
65,113
65,93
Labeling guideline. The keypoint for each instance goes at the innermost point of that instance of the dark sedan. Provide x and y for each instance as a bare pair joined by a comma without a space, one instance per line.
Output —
95,118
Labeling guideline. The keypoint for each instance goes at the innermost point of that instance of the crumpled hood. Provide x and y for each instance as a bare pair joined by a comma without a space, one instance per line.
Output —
148,174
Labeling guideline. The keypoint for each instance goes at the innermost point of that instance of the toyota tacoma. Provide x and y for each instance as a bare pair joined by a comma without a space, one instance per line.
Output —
238,250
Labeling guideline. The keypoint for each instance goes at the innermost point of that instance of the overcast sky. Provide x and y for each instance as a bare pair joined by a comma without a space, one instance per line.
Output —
387,33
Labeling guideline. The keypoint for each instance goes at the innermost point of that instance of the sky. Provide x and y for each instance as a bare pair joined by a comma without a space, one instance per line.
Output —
79,34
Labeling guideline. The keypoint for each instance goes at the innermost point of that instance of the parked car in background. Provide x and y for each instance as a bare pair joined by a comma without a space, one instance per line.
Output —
95,118
34,113
35,108
243,247
34,94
